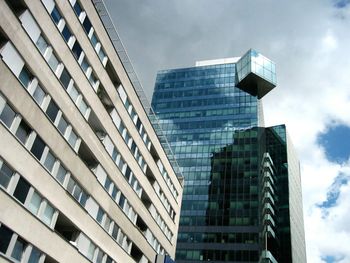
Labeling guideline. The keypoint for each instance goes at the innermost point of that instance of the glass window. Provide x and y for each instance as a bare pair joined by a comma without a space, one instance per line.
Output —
7,116
101,54
52,111
73,93
5,175
18,249
109,259
62,125
66,33
35,255
87,25
41,44
115,231
83,107
48,214
5,238
49,161
77,50
38,147
56,16
35,203
61,174
65,78
23,131
25,77
72,138
21,190
91,250
77,8
100,214
39,95
84,65
53,62
94,40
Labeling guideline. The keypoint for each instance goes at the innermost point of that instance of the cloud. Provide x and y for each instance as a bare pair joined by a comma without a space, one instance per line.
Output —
309,41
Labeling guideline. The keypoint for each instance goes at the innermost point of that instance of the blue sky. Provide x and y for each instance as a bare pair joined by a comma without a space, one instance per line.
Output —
309,41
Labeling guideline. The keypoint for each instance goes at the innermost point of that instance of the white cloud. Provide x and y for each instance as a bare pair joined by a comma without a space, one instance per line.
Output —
308,39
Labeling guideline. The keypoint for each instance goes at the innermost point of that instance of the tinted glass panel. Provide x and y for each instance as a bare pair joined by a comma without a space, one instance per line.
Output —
34,256
5,238
62,125
25,77
61,174
21,190
49,161
52,111
77,8
56,15
87,24
76,49
41,44
7,115
34,204
65,78
66,33
5,175
18,250
23,131
38,147
39,95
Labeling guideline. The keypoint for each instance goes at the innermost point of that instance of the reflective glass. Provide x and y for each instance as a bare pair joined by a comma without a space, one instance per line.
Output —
7,115
5,175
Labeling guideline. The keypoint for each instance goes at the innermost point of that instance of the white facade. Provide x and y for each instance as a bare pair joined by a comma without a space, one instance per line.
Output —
83,176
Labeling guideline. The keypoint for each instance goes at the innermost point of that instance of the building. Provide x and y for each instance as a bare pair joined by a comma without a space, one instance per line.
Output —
242,196
83,176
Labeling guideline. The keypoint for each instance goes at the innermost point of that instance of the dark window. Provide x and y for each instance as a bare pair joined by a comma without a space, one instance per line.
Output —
18,249
34,256
66,33
5,175
7,115
25,77
77,50
99,215
5,238
52,111
77,8
38,147
87,25
56,16
21,190
65,78
127,172
18,6
23,131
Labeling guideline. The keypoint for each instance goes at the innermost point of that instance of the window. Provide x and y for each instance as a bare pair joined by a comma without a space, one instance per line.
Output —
25,77
7,116
94,40
53,62
35,255
49,161
18,249
72,139
100,214
66,33
35,203
21,190
84,65
101,54
23,131
48,214
41,44
83,107
39,95
38,147
65,78
73,93
77,8
5,238
77,50
62,125
61,174
5,175
56,16
52,111
87,25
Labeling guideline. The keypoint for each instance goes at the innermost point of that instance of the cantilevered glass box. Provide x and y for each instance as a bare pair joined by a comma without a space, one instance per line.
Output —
255,74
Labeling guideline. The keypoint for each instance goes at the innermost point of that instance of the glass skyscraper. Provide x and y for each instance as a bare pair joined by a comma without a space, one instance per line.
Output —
242,196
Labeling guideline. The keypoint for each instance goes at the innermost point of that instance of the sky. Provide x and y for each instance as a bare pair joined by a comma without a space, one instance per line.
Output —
309,40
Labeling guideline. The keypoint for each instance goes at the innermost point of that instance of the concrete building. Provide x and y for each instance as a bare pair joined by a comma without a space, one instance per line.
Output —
83,176
242,195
